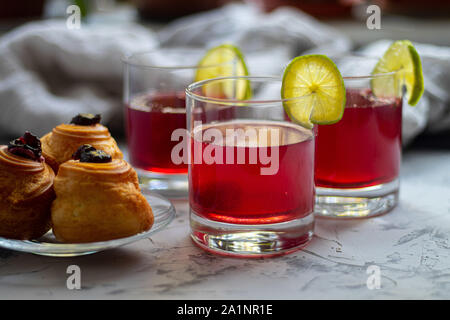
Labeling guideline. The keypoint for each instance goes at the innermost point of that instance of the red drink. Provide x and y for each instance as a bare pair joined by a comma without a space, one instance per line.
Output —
239,193
151,119
364,148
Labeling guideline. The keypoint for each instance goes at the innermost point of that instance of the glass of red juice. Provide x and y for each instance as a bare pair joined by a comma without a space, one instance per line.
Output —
357,161
251,172
155,115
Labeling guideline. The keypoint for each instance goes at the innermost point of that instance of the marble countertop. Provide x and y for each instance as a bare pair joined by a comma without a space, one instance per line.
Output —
410,246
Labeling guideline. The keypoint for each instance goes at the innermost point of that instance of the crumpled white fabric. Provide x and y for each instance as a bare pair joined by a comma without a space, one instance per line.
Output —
432,113
268,41
49,73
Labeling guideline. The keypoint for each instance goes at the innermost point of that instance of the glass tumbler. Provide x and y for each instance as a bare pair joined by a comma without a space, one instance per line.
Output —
358,159
155,111
251,172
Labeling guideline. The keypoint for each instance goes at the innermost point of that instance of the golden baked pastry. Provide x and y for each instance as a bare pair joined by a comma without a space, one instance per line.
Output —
98,201
26,191
59,145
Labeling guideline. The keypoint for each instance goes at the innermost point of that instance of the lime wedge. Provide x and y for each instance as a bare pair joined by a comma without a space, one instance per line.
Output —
402,58
317,80
224,61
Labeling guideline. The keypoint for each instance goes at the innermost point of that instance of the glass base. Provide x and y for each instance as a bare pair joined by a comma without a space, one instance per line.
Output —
168,185
356,203
251,241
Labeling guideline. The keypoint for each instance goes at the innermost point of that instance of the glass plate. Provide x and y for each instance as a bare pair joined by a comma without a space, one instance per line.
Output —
47,245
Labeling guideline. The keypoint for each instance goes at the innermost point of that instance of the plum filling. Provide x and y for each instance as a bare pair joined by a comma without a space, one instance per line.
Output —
83,149
86,119
87,153
27,146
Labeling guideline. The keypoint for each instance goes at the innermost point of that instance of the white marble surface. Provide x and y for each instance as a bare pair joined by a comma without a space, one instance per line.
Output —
410,245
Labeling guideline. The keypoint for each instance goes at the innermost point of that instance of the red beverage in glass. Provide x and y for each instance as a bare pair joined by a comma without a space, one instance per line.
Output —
364,148
238,193
151,119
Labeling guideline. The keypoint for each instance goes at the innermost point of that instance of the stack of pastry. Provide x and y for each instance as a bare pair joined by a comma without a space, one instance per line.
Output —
59,145
95,195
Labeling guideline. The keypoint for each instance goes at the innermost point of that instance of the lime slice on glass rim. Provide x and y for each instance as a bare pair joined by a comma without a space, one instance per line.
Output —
224,61
317,80
402,58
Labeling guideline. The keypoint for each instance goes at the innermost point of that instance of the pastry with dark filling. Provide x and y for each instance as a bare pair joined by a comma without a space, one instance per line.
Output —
59,145
97,199
26,189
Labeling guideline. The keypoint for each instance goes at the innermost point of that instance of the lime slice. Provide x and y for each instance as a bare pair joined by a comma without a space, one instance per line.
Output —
318,81
224,61
402,58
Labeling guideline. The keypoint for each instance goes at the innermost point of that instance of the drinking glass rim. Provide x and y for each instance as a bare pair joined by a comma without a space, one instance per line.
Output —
193,86
355,55
370,76
127,59
190,89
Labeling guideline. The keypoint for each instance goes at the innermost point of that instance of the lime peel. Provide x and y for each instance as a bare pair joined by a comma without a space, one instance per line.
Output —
223,61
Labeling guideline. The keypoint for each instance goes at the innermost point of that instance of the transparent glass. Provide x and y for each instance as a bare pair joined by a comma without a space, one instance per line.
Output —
47,245
358,159
251,172
154,99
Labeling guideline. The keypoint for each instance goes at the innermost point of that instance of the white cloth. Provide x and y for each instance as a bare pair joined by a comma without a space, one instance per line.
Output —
49,73
433,110
268,41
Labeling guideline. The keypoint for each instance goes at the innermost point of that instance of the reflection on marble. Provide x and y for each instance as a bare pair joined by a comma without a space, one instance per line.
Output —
410,245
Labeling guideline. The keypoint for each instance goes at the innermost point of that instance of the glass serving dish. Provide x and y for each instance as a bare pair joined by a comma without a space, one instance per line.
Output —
47,245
